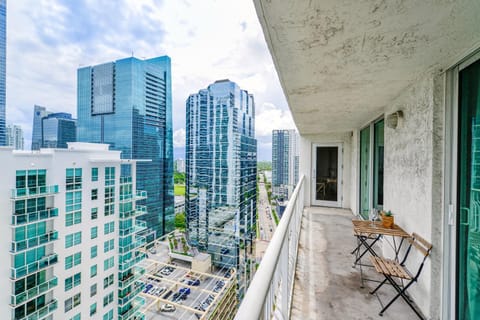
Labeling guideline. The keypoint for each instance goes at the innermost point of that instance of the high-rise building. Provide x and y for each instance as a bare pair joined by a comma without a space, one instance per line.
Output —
3,66
128,105
285,153
52,130
221,168
180,165
69,220
15,137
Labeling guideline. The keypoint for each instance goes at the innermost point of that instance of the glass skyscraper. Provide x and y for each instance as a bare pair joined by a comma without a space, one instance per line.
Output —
221,169
52,130
128,105
285,154
3,57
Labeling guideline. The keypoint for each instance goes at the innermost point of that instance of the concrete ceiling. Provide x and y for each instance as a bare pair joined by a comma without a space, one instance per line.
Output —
340,62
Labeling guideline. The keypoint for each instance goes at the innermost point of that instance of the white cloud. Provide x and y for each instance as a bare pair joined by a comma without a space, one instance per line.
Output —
179,138
269,117
207,40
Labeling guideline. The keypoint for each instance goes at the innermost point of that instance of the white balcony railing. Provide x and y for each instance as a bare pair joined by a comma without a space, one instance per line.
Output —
271,290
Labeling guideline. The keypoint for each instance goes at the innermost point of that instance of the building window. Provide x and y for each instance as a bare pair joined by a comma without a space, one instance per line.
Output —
94,174
71,303
73,239
93,232
93,271
108,299
108,263
73,208
108,245
108,227
94,195
93,252
78,316
108,315
94,213
93,290
73,260
93,309
73,281
73,178
108,281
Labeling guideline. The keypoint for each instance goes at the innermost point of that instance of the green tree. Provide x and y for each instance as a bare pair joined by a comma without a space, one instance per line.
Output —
180,221
178,178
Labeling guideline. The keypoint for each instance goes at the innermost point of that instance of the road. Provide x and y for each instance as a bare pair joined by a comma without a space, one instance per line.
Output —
265,220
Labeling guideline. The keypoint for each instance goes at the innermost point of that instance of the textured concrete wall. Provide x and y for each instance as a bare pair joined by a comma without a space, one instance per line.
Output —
414,175
305,166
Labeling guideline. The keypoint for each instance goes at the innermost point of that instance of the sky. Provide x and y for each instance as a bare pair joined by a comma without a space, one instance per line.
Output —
207,40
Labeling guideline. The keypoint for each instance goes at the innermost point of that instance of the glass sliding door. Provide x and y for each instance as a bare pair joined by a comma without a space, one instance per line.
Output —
468,195
326,184
378,146
365,172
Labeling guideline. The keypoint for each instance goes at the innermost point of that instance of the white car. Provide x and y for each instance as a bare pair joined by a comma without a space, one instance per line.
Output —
167,307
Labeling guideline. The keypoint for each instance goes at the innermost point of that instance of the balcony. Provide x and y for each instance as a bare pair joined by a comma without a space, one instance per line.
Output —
320,283
44,262
49,213
137,274
33,292
122,300
42,312
138,211
34,242
33,192
136,305
140,195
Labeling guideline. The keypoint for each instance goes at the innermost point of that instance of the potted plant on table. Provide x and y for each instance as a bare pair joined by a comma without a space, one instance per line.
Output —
387,219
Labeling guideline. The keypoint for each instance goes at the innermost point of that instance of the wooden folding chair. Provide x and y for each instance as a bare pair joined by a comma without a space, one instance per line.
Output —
392,269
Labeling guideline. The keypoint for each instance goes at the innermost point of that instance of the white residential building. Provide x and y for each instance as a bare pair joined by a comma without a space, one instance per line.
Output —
69,221
15,137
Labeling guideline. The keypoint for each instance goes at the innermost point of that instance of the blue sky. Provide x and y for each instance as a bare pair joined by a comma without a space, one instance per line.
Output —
207,40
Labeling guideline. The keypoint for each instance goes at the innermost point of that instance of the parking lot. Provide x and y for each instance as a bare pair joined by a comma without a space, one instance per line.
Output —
174,291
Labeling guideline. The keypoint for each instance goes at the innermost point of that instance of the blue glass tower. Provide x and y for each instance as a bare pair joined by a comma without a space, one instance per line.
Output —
221,169
52,130
3,56
128,104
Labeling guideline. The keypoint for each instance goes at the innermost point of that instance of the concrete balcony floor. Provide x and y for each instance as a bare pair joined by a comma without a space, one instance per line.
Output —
326,285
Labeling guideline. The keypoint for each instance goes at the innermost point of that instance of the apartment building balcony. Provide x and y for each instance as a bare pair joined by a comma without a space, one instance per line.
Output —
126,295
38,191
46,214
34,292
42,312
138,211
29,243
131,311
40,264
140,195
136,274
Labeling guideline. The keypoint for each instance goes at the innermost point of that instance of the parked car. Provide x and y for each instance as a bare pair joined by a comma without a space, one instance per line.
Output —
185,290
167,307
148,287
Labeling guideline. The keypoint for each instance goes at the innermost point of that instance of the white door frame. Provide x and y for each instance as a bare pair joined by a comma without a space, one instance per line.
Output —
313,185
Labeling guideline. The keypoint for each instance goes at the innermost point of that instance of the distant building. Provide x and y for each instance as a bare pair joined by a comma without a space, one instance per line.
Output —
52,130
180,165
3,60
221,168
15,137
285,153
127,104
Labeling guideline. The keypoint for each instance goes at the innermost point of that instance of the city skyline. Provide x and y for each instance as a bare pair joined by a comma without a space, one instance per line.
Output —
236,51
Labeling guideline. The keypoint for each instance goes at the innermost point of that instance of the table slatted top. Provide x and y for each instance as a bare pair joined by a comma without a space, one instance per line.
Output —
367,228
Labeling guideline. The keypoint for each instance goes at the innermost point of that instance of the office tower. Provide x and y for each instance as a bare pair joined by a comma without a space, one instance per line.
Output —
52,130
3,58
15,137
180,165
285,153
128,105
221,168
70,223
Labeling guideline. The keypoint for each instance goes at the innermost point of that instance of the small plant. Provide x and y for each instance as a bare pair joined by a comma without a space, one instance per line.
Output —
387,213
